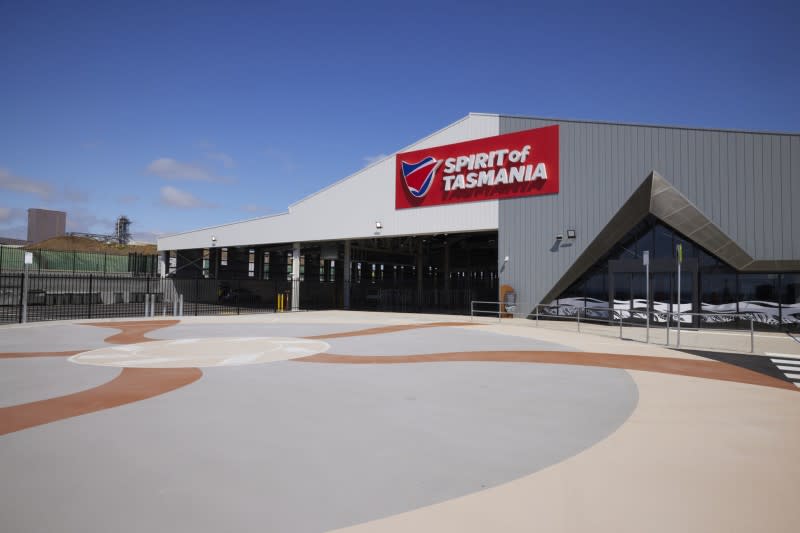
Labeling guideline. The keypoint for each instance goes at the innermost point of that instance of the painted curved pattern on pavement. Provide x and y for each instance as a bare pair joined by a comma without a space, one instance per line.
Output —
136,384
133,332
386,329
664,365
20,355
131,385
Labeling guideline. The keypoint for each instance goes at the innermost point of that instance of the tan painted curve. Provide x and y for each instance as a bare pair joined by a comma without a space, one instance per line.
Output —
666,365
132,332
20,355
387,329
131,385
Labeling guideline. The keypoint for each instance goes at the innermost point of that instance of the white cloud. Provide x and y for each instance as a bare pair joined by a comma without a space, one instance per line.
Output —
254,208
19,231
12,214
173,197
146,236
13,223
83,221
171,169
14,183
371,159
221,157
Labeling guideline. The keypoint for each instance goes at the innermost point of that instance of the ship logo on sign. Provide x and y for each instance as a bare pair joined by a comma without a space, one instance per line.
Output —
419,176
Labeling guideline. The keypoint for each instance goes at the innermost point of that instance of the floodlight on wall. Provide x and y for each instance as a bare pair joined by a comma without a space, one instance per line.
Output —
213,241
559,237
378,225
570,234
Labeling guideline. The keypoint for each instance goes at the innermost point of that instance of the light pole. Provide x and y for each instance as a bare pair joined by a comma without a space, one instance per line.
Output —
216,259
646,261
28,261
679,250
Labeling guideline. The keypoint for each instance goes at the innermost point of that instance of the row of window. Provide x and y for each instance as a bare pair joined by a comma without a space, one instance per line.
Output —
711,287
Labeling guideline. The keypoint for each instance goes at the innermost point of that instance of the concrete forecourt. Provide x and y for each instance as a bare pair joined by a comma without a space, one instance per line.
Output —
325,421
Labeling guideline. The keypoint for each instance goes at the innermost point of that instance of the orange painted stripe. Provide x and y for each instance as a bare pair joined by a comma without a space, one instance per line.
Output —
132,332
131,385
16,355
387,329
666,365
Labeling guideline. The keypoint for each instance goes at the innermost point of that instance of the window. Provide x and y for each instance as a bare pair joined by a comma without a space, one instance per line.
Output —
790,300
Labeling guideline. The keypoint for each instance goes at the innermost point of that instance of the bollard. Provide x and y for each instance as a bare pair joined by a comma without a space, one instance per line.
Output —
146,305
620,324
180,305
752,340
153,306
174,307
579,319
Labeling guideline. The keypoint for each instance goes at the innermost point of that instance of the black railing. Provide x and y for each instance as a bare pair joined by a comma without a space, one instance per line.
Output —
430,297
63,297
52,296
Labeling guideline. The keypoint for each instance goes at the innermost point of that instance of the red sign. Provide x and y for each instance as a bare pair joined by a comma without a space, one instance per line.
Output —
523,163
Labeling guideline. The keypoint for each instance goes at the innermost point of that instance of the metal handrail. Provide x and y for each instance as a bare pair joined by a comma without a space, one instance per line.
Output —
614,315
498,312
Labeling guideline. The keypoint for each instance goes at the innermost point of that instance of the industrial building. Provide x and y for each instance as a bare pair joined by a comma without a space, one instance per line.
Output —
45,224
558,211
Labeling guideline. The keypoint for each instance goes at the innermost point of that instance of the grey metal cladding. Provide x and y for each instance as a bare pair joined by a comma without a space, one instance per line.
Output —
747,184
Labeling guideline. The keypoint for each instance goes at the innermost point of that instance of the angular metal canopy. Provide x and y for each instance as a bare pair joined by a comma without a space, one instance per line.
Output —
658,197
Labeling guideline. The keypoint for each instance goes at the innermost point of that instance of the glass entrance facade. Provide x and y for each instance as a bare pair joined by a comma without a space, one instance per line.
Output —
616,284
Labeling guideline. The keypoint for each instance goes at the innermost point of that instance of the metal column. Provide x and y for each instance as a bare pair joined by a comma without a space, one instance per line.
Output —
346,271
296,277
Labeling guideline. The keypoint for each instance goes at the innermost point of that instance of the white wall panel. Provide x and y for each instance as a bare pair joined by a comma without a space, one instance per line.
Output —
350,207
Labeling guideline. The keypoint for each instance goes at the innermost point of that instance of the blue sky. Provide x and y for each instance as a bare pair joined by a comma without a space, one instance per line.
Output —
189,114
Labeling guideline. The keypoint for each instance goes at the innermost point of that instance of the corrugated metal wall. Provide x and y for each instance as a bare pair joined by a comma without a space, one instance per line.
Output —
746,183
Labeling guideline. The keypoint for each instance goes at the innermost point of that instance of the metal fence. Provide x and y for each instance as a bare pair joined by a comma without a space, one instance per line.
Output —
12,260
405,297
63,297
703,331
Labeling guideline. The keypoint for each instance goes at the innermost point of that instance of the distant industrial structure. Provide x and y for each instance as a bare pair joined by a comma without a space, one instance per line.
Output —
122,233
122,230
45,224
